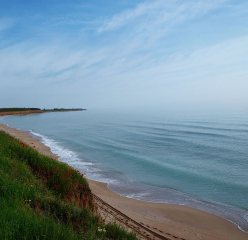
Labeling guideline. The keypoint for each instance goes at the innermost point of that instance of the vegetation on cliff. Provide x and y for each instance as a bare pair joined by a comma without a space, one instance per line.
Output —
41,198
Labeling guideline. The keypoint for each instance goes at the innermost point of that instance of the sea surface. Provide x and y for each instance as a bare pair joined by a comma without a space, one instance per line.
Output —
196,159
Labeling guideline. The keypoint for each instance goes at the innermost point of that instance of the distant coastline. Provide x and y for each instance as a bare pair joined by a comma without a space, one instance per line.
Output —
26,111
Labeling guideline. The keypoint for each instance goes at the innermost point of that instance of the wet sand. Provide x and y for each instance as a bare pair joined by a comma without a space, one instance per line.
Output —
169,220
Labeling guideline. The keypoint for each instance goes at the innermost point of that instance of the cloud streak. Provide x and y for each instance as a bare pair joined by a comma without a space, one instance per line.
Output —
6,23
158,13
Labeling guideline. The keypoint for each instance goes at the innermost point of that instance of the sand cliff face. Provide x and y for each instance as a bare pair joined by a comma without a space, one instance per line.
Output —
20,112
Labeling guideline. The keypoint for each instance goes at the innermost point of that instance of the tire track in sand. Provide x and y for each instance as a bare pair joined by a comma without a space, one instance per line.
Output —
140,228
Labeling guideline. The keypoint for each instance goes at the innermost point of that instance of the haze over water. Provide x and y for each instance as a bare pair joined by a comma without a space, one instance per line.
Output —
194,159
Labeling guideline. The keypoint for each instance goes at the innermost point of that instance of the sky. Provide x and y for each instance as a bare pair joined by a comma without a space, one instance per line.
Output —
126,53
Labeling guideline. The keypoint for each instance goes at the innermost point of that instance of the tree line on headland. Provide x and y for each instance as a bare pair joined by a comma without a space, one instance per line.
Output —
62,109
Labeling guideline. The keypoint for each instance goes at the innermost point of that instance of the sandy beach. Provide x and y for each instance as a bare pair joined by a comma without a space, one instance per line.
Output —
168,220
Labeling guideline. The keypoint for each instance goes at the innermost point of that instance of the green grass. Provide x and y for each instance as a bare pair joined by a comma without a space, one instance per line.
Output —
41,198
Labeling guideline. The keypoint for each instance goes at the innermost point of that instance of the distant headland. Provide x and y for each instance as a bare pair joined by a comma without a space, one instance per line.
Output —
26,111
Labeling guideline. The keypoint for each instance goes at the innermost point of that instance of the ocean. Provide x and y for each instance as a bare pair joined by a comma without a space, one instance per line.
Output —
196,159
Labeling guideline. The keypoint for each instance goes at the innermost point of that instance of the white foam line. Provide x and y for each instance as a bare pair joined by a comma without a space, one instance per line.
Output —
65,155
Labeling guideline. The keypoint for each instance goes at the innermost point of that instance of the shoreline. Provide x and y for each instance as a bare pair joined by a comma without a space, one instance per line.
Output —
176,220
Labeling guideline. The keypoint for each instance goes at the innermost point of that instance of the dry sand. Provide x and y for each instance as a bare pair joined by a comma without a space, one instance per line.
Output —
175,222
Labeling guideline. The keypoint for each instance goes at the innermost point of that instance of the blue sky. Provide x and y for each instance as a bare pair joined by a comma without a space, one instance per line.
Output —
99,54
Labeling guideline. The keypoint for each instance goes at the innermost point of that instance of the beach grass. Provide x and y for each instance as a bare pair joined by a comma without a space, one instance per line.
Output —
41,198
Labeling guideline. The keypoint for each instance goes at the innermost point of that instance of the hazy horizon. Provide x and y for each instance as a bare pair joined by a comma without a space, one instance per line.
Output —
124,54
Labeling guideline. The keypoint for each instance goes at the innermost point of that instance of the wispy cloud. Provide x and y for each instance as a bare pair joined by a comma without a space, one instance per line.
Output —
127,16
158,13
55,65
5,23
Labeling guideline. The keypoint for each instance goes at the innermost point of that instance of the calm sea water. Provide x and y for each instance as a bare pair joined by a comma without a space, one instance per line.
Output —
197,160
